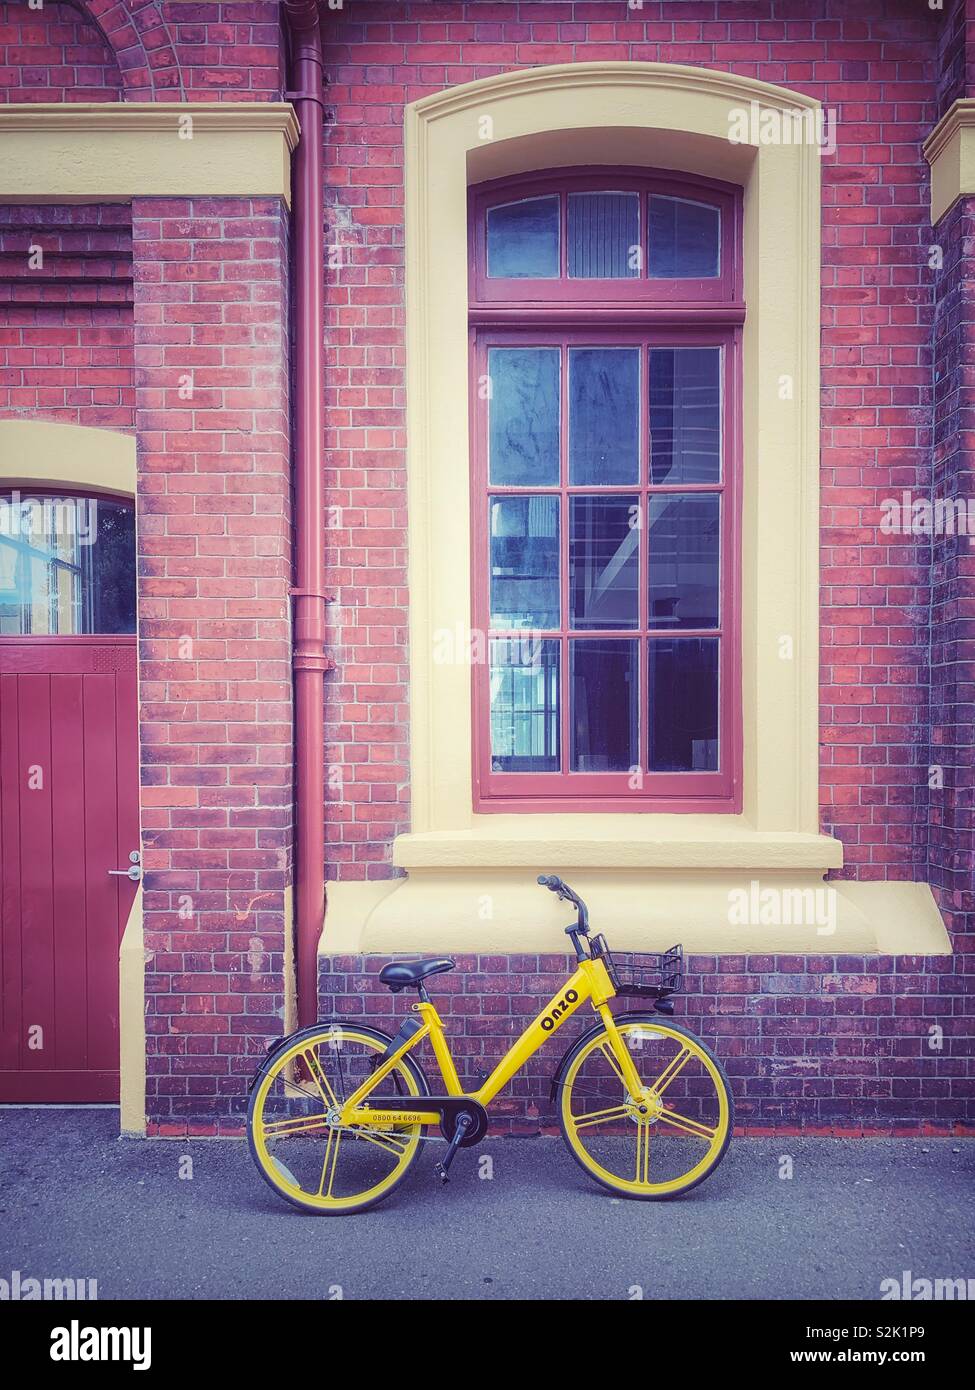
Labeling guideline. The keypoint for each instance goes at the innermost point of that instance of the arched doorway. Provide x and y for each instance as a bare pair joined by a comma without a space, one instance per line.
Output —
69,818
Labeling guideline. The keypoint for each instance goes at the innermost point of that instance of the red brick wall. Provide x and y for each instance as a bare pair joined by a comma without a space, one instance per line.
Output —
831,1044
214,625
875,65
833,1041
66,327
54,54
956,53
230,50
107,50
952,847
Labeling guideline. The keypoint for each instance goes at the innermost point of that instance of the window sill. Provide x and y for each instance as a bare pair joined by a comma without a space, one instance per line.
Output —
548,842
649,881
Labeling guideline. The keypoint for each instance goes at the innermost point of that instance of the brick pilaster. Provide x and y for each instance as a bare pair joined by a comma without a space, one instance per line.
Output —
952,831
214,551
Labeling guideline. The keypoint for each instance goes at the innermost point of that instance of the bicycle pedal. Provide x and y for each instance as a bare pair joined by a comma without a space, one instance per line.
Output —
441,1173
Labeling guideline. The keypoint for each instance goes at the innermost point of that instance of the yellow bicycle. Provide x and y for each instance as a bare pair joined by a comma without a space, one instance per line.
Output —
337,1111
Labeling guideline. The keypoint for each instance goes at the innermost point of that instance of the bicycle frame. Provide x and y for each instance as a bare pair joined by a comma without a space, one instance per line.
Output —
590,982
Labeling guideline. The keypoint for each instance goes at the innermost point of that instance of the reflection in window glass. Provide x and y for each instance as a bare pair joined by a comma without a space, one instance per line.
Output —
604,235
685,415
523,240
113,569
685,239
523,416
684,537
67,566
604,415
524,562
603,712
604,561
684,704
524,705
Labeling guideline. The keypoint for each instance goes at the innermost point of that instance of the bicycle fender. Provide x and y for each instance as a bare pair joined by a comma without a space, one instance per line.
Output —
287,1039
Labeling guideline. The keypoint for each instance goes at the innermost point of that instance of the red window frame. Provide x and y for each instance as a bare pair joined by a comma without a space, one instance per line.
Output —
626,312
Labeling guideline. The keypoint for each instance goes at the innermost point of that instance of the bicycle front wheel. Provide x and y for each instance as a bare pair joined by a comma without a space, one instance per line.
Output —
300,1149
667,1139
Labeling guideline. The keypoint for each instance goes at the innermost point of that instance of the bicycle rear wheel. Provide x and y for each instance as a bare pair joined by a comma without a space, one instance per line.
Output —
299,1148
663,1142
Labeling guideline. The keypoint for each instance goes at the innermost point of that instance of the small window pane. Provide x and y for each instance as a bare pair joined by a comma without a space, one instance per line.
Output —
604,415
523,240
685,415
684,537
685,239
604,706
523,411
524,562
113,569
684,704
604,235
525,705
604,561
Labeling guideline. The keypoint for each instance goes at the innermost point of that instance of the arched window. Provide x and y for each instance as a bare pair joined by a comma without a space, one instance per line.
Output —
606,311
67,564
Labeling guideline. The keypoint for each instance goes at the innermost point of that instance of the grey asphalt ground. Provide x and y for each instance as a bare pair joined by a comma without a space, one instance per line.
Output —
76,1200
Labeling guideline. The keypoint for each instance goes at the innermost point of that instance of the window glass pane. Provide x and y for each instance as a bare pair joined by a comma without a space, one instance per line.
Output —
685,415
684,538
604,705
524,562
525,705
604,561
684,704
604,415
523,411
113,569
604,235
685,239
67,566
523,240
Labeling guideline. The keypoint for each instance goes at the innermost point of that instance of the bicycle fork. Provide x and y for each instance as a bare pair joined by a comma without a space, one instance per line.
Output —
628,1071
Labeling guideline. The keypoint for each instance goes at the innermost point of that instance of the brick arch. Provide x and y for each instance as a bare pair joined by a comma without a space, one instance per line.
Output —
139,37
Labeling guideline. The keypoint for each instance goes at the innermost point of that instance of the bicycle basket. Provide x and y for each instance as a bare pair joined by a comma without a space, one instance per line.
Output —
650,974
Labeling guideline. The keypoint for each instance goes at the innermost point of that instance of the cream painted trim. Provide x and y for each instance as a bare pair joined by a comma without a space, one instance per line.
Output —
655,115
113,151
132,1023
499,912
950,151
74,456
621,841
649,879
290,977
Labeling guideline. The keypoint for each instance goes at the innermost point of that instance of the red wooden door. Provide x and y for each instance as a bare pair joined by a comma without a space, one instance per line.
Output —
68,815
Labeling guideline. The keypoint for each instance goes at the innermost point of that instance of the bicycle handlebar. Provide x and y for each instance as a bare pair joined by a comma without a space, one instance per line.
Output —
555,885
552,882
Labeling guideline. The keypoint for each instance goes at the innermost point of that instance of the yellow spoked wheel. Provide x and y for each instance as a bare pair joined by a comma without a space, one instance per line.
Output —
665,1140
297,1143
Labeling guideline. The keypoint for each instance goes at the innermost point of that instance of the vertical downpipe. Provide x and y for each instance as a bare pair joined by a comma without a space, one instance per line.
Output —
310,662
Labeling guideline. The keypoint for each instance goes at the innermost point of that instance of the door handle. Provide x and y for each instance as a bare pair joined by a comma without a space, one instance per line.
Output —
133,872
